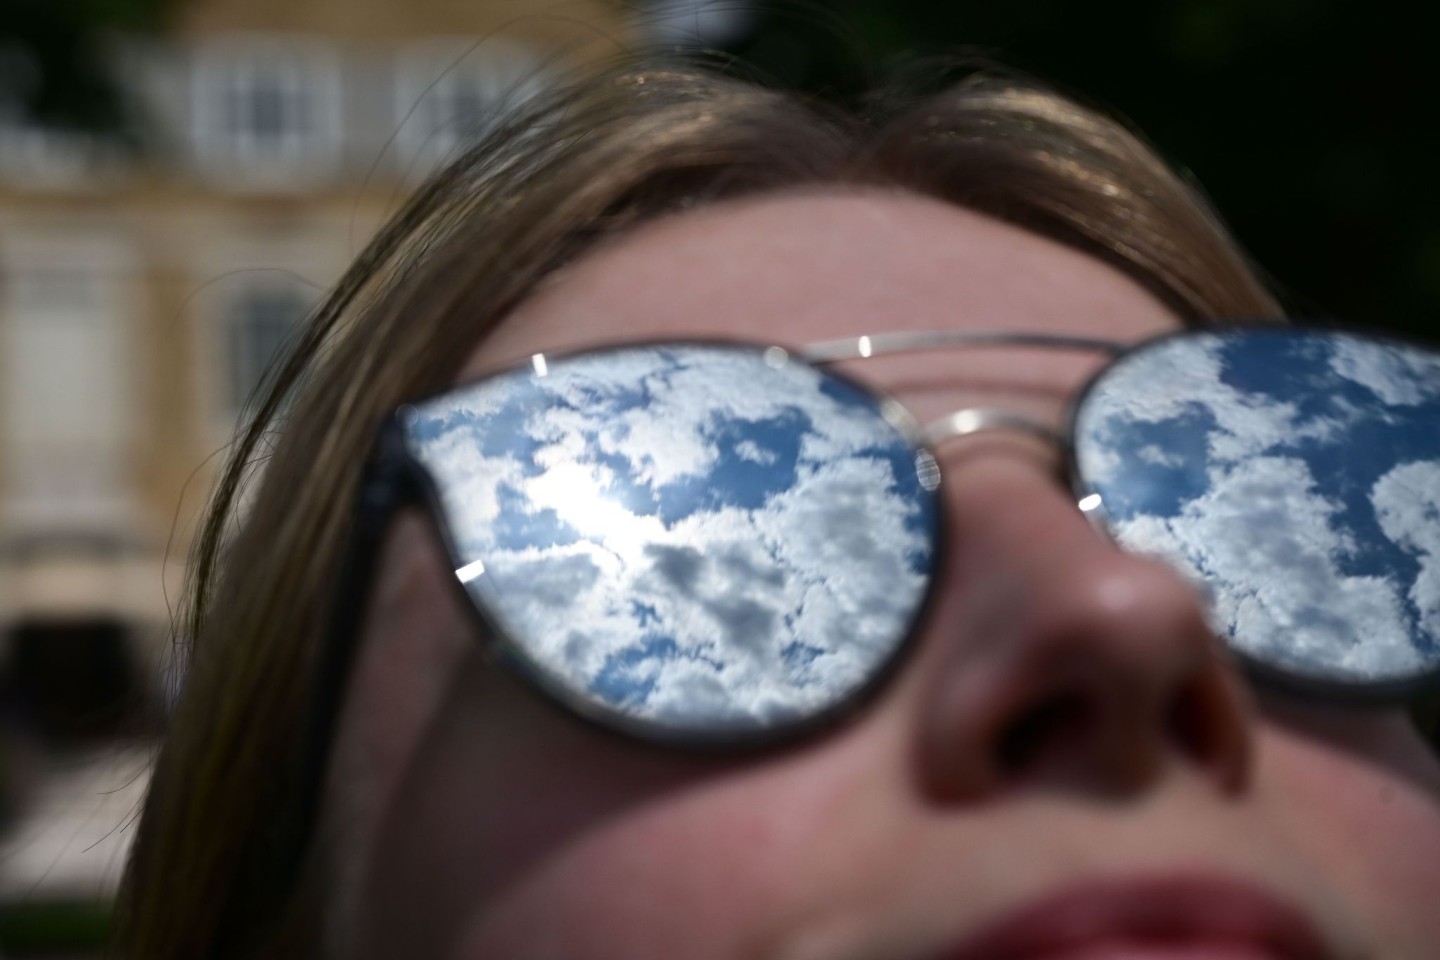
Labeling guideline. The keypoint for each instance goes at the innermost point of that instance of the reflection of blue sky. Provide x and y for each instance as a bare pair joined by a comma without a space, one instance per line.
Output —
517,527
714,541
1165,461
752,461
1298,476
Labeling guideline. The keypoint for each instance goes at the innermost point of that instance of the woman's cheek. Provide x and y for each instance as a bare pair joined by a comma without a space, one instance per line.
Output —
744,860
722,871
1371,820
521,833
1395,839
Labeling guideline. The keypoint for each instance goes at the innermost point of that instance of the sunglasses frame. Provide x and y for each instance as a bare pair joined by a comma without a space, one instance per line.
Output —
393,479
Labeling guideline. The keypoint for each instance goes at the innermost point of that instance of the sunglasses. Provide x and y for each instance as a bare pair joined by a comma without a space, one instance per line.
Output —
724,544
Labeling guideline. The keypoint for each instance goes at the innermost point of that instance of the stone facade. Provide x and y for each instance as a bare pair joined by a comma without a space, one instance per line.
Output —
144,294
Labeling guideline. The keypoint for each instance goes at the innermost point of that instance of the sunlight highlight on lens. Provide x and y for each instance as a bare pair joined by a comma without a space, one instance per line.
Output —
703,540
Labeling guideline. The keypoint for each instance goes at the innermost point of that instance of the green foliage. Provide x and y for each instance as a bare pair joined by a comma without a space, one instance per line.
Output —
53,63
41,929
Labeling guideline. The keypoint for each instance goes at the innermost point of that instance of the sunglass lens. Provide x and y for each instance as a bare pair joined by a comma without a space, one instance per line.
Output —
1295,475
686,541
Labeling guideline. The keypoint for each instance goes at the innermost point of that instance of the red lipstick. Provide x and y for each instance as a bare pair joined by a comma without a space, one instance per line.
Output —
1162,917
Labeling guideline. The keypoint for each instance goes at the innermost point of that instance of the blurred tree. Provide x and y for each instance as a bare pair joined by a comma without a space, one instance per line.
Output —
54,67
1311,122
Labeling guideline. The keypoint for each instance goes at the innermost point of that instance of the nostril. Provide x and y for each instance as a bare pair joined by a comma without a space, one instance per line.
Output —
1186,723
1205,722
1047,729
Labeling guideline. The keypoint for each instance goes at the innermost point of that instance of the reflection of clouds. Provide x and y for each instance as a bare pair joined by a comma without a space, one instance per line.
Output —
541,580
848,532
1157,455
577,492
724,542
1396,377
750,450
1264,517
1270,511
474,479
1407,505
1168,386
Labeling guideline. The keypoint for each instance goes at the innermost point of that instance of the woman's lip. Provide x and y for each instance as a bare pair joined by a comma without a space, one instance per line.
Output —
1184,914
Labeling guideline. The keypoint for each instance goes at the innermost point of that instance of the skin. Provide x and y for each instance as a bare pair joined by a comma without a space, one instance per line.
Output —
476,820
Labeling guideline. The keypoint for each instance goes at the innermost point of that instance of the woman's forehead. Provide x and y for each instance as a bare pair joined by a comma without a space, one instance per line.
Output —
800,267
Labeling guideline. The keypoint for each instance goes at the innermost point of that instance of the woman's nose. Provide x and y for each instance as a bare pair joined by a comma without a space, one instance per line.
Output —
1061,660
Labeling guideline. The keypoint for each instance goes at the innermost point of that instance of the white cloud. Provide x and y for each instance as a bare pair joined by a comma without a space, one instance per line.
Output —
1176,379
752,451
1407,505
580,494
1400,377
1167,383
1270,550
1154,454
472,482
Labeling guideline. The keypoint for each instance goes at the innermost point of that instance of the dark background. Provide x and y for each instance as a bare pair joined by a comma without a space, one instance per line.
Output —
1311,123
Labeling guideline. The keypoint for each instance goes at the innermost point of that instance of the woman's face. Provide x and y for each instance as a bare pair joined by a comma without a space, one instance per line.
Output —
1065,752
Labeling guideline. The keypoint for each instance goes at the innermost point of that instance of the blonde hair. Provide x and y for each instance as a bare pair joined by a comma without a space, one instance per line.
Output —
212,871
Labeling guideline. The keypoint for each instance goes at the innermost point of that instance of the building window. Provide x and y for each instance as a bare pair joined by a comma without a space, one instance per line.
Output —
267,112
67,395
449,95
263,321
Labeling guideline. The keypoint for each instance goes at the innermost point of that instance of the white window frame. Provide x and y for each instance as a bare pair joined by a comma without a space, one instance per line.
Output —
230,147
226,265
85,484
434,77
254,290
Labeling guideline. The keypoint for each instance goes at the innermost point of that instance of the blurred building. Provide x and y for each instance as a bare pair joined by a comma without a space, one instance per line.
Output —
144,293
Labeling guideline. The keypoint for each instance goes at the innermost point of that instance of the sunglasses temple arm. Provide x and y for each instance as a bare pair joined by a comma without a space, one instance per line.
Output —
386,484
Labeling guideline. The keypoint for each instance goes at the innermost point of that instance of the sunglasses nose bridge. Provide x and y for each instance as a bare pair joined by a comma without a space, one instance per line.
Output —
973,420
